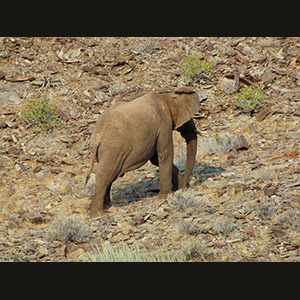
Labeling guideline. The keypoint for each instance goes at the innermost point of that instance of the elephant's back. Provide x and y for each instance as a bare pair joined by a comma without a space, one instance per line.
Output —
130,122
138,113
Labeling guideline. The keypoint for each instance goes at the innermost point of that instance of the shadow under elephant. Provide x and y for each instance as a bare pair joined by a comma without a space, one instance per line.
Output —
140,190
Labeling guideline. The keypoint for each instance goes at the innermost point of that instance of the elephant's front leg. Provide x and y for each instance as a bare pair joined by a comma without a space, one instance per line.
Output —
165,164
177,178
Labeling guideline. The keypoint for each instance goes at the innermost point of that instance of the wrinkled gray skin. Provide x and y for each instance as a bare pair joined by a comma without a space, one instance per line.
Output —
129,134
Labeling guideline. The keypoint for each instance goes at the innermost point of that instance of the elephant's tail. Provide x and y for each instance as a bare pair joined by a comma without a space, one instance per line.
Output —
93,157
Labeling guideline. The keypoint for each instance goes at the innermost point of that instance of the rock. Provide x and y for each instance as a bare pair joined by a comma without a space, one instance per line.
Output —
202,96
263,114
69,54
9,96
243,143
295,202
229,162
245,50
137,220
2,74
259,57
19,167
38,82
229,86
3,123
280,72
251,215
125,227
253,231
239,48
19,78
119,238
34,217
267,78
61,114
277,231
161,213
14,137
9,124
61,251
37,169
72,113
43,251
75,254
70,139
270,190
295,170
293,184
43,174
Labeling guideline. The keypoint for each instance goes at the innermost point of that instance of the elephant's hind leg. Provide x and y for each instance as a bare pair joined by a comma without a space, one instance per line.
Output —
105,176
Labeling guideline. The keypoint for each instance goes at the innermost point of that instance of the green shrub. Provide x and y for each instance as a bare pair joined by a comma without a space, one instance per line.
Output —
250,98
41,115
195,67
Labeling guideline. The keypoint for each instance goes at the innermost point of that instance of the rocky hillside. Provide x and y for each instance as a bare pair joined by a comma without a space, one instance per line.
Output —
243,200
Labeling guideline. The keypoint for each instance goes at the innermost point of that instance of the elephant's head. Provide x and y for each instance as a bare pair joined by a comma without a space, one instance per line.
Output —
183,104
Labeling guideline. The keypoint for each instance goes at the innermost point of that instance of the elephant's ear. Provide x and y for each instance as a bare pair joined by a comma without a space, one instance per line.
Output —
184,105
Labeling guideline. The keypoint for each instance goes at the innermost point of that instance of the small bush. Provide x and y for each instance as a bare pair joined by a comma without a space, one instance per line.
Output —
223,225
195,67
197,252
288,219
41,115
250,98
188,227
68,228
266,210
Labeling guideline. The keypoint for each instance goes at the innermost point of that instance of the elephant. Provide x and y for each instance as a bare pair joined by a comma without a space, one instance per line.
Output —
128,134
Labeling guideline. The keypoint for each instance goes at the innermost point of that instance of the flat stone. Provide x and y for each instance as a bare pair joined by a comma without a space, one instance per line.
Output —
34,217
244,145
263,114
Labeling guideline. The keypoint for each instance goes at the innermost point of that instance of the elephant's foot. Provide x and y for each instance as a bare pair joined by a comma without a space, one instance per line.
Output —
95,213
162,195
96,209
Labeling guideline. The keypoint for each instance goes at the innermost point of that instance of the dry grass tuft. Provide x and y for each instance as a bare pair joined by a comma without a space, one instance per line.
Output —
218,144
125,253
196,252
186,200
289,218
68,228
188,227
